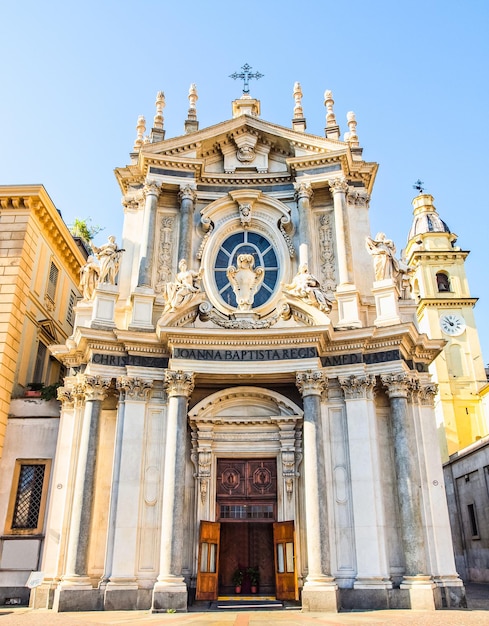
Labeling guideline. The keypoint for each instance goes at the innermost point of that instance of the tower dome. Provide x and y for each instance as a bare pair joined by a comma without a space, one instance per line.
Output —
426,218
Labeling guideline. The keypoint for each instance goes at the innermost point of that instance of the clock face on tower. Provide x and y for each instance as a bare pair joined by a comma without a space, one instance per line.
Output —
452,324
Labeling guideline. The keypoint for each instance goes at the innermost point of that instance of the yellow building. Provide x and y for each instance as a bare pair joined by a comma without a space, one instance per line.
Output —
445,310
39,274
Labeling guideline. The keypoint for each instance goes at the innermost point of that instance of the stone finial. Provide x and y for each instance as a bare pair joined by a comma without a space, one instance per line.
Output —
298,112
329,103
352,136
192,99
160,105
191,123
141,129
332,130
299,121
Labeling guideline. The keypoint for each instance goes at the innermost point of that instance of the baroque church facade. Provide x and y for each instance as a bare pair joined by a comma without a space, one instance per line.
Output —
249,386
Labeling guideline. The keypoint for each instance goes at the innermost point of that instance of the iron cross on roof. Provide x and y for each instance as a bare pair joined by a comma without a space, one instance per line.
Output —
245,76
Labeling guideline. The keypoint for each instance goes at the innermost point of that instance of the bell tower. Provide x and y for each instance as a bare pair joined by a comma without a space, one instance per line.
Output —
445,309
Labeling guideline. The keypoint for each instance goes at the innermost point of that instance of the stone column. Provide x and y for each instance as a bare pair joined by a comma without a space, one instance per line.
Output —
347,295
121,592
320,592
170,590
304,193
187,197
439,536
406,461
368,505
151,192
75,579
338,188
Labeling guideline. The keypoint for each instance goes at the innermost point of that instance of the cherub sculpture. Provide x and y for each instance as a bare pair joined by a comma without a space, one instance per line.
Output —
307,287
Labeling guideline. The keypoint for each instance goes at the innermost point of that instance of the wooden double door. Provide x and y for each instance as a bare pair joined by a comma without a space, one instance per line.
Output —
225,547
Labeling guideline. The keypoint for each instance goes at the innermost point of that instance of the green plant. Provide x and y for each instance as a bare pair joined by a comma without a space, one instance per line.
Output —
171,610
253,575
35,386
50,391
81,228
238,577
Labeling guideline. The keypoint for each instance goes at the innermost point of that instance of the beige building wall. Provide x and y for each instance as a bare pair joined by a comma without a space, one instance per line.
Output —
32,236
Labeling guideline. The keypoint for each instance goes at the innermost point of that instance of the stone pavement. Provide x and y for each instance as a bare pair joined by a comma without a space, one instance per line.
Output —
477,614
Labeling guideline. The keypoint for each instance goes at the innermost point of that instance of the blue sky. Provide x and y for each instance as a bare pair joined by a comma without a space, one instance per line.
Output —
75,77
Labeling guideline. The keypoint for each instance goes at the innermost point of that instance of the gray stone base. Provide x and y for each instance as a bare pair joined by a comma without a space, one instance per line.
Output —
77,600
164,600
374,599
450,597
326,599
10,596
120,599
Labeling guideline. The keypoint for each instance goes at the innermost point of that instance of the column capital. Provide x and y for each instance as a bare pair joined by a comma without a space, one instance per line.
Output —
338,185
303,189
65,396
151,188
187,192
427,393
93,387
356,387
398,385
311,382
133,388
179,383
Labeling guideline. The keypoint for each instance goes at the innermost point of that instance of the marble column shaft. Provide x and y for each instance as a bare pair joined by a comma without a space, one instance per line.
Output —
338,188
187,201
304,194
151,191
407,470
179,386
82,503
311,384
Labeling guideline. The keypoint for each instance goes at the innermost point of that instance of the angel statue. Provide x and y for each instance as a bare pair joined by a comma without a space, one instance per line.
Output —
245,280
307,287
184,288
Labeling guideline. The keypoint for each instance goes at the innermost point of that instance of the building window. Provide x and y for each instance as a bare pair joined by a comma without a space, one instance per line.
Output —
70,312
473,521
42,350
442,281
246,242
53,281
28,498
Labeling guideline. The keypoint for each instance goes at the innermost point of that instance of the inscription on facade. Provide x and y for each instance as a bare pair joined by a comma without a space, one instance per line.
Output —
358,357
279,354
121,360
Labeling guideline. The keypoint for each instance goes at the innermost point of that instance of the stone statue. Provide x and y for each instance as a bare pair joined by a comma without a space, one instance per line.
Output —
109,256
184,288
306,287
89,275
383,251
245,280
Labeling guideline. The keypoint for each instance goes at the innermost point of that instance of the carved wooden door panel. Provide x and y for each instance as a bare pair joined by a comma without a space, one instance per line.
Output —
285,570
208,566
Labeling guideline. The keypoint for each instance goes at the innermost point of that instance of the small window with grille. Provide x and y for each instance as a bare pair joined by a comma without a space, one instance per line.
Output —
52,282
28,497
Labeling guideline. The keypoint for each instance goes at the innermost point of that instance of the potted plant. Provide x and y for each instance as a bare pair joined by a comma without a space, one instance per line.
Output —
254,577
238,580
33,390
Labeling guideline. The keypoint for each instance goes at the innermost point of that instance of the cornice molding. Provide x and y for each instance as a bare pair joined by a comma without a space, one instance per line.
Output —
35,200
